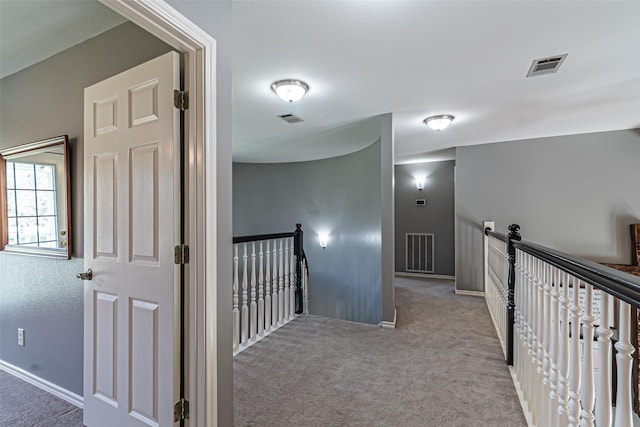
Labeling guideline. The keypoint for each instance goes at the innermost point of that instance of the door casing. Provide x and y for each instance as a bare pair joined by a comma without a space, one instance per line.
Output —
165,23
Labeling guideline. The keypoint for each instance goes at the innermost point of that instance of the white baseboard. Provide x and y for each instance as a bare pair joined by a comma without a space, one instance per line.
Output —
45,385
470,293
390,325
424,276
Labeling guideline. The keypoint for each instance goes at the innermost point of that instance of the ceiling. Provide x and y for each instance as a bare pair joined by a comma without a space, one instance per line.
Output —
407,57
420,58
32,30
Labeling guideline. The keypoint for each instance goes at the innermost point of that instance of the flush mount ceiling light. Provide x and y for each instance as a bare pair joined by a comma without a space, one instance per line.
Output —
440,122
290,90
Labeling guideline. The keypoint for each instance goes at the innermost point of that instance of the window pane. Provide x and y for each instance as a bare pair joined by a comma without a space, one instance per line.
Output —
53,244
46,203
11,203
47,228
27,231
45,177
10,183
26,203
24,175
13,231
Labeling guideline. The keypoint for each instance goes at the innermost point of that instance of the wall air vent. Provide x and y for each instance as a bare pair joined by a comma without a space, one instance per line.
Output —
291,118
546,65
420,250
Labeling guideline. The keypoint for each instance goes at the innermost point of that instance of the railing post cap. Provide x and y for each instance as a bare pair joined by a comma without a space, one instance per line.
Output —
298,227
514,232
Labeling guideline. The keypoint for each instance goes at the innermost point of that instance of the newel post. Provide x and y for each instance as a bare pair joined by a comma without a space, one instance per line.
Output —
514,235
298,250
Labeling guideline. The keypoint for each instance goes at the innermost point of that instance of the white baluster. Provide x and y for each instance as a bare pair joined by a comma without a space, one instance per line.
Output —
532,348
254,306
267,298
574,364
245,299
563,365
546,383
292,276
603,393
261,292
519,344
236,302
587,391
624,410
287,282
274,292
305,289
541,397
531,352
280,284
555,346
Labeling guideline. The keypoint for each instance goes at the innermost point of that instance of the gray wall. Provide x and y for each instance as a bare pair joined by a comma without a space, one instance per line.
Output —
340,196
37,294
437,217
215,17
577,194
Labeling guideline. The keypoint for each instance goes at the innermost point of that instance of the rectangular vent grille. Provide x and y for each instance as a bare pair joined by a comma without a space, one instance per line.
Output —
546,65
419,248
290,118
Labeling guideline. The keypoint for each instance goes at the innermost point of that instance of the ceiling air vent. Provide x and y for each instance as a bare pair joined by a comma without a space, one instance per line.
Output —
546,65
290,118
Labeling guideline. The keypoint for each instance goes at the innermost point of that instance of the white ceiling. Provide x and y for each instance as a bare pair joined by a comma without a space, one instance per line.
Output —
32,30
420,58
408,57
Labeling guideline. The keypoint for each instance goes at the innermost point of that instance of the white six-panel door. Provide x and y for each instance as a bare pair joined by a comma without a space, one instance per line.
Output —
131,212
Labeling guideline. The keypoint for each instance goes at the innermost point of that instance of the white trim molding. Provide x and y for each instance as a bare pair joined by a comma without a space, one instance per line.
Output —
43,384
424,276
470,293
164,22
390,325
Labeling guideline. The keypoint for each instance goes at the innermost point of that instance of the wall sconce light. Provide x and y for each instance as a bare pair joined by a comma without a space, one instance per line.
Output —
323,239
420,182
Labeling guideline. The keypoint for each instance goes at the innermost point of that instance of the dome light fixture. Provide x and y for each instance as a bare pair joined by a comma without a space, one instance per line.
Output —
290,90
440,122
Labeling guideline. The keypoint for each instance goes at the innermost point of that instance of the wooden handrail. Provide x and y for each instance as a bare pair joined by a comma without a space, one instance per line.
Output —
617,283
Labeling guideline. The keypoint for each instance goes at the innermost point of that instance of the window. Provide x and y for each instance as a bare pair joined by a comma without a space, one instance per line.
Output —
31,204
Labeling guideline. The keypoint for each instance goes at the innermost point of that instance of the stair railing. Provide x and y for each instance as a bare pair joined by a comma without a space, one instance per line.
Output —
268,284
570,315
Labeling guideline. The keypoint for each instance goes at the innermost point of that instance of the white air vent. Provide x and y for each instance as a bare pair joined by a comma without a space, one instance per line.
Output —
546,65
290,118
419,248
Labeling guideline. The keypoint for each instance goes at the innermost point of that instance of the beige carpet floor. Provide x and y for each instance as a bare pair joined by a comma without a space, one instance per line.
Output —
22,404
442,366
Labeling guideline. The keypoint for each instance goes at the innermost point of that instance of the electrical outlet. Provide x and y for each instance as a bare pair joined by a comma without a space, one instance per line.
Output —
20,336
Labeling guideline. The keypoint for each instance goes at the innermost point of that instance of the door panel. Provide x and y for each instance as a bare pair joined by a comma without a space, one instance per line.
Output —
131,157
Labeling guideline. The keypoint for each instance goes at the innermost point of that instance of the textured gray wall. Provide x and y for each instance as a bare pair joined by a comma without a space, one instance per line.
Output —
42,295
437,217
215,17
576,193
340,196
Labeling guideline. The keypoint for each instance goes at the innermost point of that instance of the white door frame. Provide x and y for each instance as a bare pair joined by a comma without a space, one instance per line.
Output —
168,25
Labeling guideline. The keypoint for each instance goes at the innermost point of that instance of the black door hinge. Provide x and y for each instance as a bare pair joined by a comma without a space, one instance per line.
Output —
181,254
181,410
181,100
